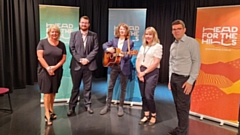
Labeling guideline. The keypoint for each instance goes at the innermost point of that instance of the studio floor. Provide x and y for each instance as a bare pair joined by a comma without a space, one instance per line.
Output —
28,116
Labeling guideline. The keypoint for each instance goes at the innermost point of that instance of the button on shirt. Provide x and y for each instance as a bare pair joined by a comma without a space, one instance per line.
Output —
185,58
120,43
84,37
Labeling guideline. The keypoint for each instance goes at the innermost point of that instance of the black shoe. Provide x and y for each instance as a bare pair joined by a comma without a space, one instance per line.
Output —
120,111
71,112
53,116
173,132
105,110
89,110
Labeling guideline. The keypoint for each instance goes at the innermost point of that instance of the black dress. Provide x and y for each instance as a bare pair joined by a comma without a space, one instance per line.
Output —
52,55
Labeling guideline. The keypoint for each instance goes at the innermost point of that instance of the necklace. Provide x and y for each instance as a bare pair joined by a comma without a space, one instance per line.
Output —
145,52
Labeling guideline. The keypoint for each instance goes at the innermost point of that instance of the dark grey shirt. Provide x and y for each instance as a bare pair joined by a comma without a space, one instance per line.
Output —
185,58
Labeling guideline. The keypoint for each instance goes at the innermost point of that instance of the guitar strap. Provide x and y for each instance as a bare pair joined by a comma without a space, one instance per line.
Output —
129,45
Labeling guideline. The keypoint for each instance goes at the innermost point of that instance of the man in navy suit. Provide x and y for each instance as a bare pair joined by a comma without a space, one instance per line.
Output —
122,42
84,48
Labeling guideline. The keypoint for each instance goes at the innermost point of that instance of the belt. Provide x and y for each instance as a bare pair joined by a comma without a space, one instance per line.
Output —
180,75
143,66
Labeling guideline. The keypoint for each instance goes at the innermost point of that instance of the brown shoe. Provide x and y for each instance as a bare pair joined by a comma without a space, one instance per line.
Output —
152,123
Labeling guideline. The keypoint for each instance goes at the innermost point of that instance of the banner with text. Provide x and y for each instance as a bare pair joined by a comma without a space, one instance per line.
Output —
67,19
217,91
136,20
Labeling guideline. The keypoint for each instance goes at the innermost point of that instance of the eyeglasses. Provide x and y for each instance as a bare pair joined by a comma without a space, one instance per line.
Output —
177,29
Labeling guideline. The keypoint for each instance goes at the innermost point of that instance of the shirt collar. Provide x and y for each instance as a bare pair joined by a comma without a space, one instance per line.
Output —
84,33
182,39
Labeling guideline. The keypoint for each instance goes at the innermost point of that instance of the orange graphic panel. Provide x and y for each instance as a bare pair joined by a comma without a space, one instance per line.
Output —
217,89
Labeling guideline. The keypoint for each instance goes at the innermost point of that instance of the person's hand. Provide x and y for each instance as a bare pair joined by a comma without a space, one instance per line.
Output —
120,54
141,74
53,68
141,79
50,71
84,61
169,86
187,88
110,49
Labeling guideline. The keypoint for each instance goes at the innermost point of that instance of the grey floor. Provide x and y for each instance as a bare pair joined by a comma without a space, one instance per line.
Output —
27,118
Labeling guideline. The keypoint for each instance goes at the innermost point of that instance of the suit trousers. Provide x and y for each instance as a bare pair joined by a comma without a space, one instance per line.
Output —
115,71
147,89
182,102
83,74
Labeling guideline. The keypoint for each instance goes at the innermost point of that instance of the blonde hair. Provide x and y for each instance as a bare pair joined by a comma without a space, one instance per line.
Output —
117,34
152,31
55,27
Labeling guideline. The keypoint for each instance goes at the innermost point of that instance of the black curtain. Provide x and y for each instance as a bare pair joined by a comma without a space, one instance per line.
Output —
19,34
19,30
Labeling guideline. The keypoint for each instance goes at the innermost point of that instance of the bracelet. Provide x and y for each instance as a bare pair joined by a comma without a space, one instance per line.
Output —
48,68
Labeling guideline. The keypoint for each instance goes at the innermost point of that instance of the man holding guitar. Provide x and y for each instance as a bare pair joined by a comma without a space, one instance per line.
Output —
118,56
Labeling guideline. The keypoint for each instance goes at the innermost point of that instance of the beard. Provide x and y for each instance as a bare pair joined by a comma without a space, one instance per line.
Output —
84,28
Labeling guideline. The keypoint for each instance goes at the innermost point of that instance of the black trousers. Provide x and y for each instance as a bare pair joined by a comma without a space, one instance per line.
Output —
182,102
115,71
86,75
147,89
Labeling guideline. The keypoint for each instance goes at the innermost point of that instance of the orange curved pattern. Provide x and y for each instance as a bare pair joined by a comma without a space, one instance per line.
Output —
215,80
224,69
211,101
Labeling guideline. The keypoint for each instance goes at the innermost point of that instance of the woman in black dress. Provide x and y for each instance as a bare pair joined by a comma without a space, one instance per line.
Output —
51,55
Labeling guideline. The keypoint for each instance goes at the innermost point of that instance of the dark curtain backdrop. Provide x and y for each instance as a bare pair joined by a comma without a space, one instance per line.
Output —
19,30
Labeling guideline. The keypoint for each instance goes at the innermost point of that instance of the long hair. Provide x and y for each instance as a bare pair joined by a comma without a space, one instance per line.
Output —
152,31
117,34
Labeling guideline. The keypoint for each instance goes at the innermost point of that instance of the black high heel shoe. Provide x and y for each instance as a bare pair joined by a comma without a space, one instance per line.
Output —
48,122
53,116
152,123
144,121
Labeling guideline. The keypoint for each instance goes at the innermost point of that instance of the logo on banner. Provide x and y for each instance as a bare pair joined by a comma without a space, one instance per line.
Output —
225,36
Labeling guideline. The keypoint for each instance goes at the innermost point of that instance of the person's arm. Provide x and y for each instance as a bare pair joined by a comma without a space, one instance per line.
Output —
138,64
196,62
72,47
62,61
43,62
94,52
108,46
195,57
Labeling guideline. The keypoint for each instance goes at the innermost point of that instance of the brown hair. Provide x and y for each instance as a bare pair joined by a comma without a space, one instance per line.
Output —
178,22
156,40
117,34
84,17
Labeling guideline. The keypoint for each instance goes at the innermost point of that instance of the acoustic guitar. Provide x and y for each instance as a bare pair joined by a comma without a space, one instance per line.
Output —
110,59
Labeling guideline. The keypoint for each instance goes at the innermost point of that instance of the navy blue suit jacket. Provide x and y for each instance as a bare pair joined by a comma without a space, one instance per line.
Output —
126,60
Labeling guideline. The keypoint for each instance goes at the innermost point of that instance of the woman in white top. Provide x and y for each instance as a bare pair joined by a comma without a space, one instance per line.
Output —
147,65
